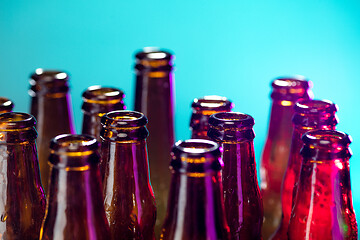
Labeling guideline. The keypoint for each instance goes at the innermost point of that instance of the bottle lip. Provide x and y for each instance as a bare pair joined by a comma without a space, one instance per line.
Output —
6,105
154,59
326,138
73,143
153,54
103,95
212,102
123,119
315,106
195,147
16,121
296,81
231,120
45,76
291,88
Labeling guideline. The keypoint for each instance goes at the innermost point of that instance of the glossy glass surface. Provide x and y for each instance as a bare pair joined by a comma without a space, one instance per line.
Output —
243,202
286,91
128,195
195,208
309,115
22,199
154,97
75,207
323,207
6,105
51,106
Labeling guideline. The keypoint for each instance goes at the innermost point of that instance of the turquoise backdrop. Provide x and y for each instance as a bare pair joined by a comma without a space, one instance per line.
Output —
229,48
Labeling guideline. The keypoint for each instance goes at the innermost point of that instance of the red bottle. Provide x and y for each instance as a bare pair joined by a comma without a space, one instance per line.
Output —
323,208
309,115
242,199
6,105
285,93
202,109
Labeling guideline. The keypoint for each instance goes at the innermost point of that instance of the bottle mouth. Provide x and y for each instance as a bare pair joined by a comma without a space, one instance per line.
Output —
195,147
231,120
123,119
213,102
6,105
16,121
103,95
72,143
44,76
315,106
291,88
154,59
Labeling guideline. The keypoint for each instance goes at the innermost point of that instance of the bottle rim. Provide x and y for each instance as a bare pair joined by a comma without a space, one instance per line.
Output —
231,120
73,143
291,88
315,106
103,95
16,121
196,146
123,119
6,105
212,102
44,76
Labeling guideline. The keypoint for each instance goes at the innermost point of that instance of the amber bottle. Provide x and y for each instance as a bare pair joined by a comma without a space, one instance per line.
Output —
309,115
51,106
154,98
286,92
129,198
243,204
97,101
6,105
323,208
202,109
22,199
75,207
195,208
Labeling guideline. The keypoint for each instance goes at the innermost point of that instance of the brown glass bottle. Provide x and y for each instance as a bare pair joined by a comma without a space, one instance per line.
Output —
98,101
129,198
243,204
75,207
51,106
202,109
286,91
155,99
22,199
195,208
309,115
6,105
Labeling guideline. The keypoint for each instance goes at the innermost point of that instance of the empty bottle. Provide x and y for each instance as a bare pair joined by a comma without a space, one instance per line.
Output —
75,207
51,106
6,105
243,204
286,91
323,208
202,109
22,199
195,208
128,195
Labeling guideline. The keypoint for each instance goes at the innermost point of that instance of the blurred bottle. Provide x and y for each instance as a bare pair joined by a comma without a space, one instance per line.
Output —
242,199
202,109
75,207
155,99
6,105
98,101
22,199
323,207
195,208
285,93
129,198
309,115
51,106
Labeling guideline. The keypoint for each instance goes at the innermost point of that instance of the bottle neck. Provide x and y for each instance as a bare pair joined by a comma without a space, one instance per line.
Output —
280,126
199,124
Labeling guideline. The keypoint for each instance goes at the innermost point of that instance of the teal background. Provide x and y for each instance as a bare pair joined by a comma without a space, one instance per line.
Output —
228,48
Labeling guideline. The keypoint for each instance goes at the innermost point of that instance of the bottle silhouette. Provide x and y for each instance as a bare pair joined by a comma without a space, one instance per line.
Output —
286,92
323,206
202,109
309,115
195,208
75,207
155,99
128,195
51,106
97,101
22,199
6,105
243,203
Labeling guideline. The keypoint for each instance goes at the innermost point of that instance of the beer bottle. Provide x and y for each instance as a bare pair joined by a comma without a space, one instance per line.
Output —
97,101
75,207
51,106
202,109
195,208
129,198
22,199
286,91
6,105
323,206
155,99
309,115
243,204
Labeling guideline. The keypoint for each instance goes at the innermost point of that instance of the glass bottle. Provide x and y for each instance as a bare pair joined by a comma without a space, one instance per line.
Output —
155,99
6,105
129,198
51,106
286,91
309,115
97,101
195,208
22,199
202,109
75,207
323,207
242,199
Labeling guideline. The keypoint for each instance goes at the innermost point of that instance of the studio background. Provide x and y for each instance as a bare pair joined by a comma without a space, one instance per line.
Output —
227,48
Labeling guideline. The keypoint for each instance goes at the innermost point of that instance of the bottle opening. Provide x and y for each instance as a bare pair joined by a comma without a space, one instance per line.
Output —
42,75
231,120
154,59
98,94
73,143
316,106
216,103
291,88
16,120
123,119
6,105
196,146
